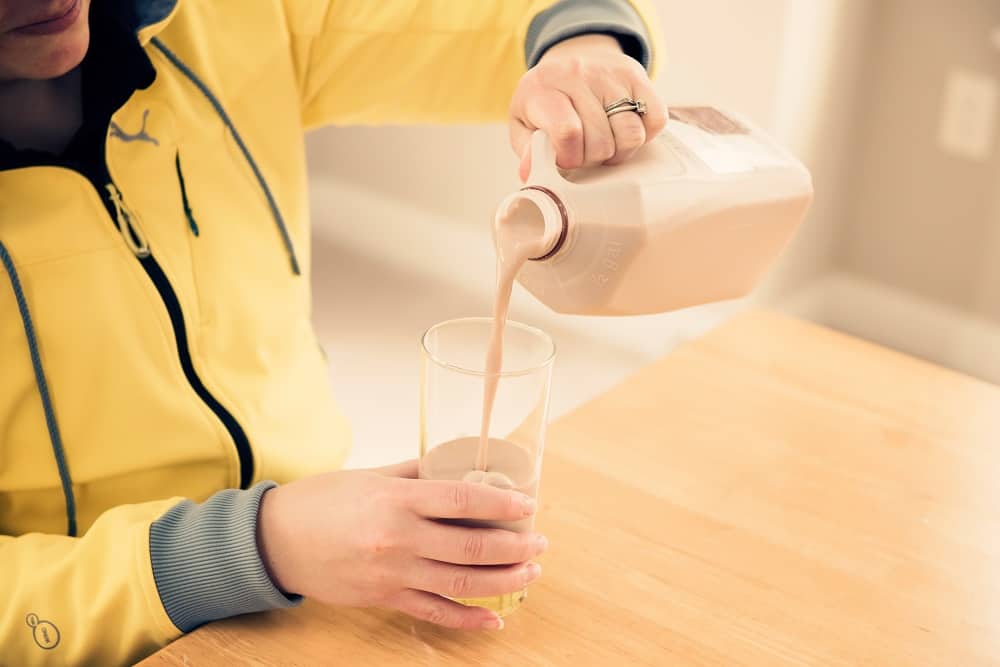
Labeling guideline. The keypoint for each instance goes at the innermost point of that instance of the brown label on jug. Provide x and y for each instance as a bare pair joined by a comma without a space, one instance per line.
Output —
721,143
708,119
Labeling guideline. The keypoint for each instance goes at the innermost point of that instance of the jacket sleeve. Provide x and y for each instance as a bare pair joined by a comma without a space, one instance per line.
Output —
440,61
140,576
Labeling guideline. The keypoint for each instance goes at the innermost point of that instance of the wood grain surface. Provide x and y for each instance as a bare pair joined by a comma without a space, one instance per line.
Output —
774,493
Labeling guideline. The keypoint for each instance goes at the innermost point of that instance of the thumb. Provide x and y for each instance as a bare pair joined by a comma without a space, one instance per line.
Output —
407,469
525,169
520,141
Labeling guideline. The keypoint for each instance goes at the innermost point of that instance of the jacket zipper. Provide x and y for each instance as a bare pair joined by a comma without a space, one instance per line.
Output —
130,228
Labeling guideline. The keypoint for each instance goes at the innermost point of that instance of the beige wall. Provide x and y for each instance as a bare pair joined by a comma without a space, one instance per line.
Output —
924,220
825,49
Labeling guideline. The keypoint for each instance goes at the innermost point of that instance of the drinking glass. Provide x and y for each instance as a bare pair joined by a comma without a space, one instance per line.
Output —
453,376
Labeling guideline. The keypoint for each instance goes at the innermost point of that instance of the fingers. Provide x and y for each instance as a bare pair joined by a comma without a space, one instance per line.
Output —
581,132
655,118
520,141
524,168
551,110
632,131
466,581
439,499
565,95
598,139
629,135
436,609
477,546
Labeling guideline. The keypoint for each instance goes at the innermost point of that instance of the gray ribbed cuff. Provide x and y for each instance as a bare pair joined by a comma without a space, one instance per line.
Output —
570,18
205,560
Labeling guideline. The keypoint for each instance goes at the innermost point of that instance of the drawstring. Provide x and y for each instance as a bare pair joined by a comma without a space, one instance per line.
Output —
192,223
43,391
200,85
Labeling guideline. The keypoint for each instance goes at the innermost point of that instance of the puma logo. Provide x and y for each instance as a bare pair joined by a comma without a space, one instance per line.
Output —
141,135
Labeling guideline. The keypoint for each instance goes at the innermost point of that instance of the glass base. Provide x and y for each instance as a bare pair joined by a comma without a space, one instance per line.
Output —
501,604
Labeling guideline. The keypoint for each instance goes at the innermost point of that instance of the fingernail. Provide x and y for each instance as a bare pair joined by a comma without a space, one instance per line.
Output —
532,571
530,505
541,543
494,624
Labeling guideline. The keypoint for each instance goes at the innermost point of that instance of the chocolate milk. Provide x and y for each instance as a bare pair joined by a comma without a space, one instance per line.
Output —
522,237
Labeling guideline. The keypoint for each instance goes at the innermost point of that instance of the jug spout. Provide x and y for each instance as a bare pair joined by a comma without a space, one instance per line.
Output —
533,214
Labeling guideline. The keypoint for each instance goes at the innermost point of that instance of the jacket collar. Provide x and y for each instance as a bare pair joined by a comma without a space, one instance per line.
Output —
114,25
150,17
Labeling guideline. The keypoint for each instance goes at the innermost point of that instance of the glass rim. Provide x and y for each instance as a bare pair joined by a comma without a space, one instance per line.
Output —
526,328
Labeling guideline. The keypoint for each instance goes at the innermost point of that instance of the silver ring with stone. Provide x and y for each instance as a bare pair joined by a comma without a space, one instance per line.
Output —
625,104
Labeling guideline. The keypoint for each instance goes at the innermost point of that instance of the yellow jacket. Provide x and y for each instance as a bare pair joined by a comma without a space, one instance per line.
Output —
155,336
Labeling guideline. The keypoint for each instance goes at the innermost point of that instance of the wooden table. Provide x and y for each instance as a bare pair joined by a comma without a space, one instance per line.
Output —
774,493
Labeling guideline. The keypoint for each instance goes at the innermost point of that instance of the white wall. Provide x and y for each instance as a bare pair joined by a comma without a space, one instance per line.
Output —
923,218
917,265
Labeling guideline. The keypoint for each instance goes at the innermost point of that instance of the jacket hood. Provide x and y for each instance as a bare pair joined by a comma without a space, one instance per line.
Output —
149,17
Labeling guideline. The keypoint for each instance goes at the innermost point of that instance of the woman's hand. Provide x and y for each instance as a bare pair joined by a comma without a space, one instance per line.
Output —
368,538
565,95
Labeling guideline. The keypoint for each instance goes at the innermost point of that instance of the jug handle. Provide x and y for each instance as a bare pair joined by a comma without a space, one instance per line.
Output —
543,158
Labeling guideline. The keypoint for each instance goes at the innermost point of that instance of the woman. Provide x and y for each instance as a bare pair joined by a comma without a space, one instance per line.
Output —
158,361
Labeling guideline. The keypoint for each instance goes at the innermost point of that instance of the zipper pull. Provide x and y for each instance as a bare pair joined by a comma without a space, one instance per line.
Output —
128,224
